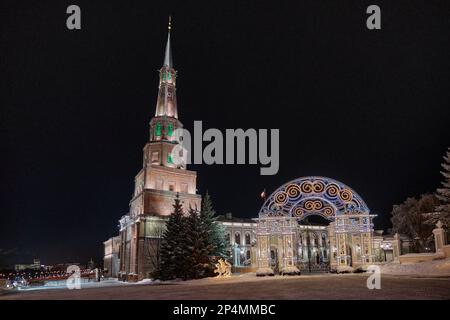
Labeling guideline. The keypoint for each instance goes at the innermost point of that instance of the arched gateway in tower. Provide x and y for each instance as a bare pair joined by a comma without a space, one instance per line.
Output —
349,233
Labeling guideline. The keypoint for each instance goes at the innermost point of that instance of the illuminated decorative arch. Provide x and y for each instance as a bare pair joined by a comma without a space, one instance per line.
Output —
306,196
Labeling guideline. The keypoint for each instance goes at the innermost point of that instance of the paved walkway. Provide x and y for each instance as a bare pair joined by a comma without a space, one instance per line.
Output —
328,286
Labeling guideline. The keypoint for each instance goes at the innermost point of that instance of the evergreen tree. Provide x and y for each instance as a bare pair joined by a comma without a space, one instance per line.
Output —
173,248
191,244
198,247
442,210
217,243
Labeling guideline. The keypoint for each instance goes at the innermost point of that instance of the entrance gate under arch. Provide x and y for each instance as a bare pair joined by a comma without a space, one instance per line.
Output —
350,231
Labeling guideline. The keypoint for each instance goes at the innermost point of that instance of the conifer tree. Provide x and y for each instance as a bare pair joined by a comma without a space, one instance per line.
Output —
198,246
173,249
191,243
442,211
217,244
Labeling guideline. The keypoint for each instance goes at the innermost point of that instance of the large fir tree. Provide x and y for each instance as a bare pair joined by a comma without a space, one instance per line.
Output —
173,246
442,211
215,231
191,244
198,259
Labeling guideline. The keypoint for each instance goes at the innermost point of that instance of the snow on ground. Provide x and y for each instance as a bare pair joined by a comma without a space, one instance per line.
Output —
439,267
323,286
238,286
84,285
94,284
436,268
148,281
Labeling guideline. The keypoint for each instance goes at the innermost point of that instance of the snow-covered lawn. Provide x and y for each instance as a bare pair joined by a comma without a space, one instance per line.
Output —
248,286
398,281
436,268
84,285
429,268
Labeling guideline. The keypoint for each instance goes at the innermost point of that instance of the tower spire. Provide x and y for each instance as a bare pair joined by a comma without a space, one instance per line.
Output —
166,104
168,53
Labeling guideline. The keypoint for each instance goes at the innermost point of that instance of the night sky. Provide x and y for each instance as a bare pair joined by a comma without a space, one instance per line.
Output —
368,108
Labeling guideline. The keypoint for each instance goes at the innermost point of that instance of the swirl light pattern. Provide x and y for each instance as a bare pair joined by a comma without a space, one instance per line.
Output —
313,195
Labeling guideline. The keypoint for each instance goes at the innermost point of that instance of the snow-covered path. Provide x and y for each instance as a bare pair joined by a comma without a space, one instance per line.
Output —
327,286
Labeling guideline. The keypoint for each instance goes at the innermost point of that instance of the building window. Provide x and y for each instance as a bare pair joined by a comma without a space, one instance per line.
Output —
237,238
170,130
248,255
155,157
247,238
228,238
171,187
159,184
184,187
158,129
169,158
242,258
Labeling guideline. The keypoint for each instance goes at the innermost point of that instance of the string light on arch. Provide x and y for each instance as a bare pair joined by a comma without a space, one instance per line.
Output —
313,195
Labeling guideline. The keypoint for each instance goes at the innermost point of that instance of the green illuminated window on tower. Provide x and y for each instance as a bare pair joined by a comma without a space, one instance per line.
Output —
170,130
158,129
169,158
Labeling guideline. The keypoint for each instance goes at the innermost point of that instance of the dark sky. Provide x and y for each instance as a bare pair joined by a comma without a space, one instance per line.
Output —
368,108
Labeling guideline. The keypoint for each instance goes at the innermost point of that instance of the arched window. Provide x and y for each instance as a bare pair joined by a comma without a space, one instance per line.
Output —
248,255
158,129
170,129
247,238
237,238
228,238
